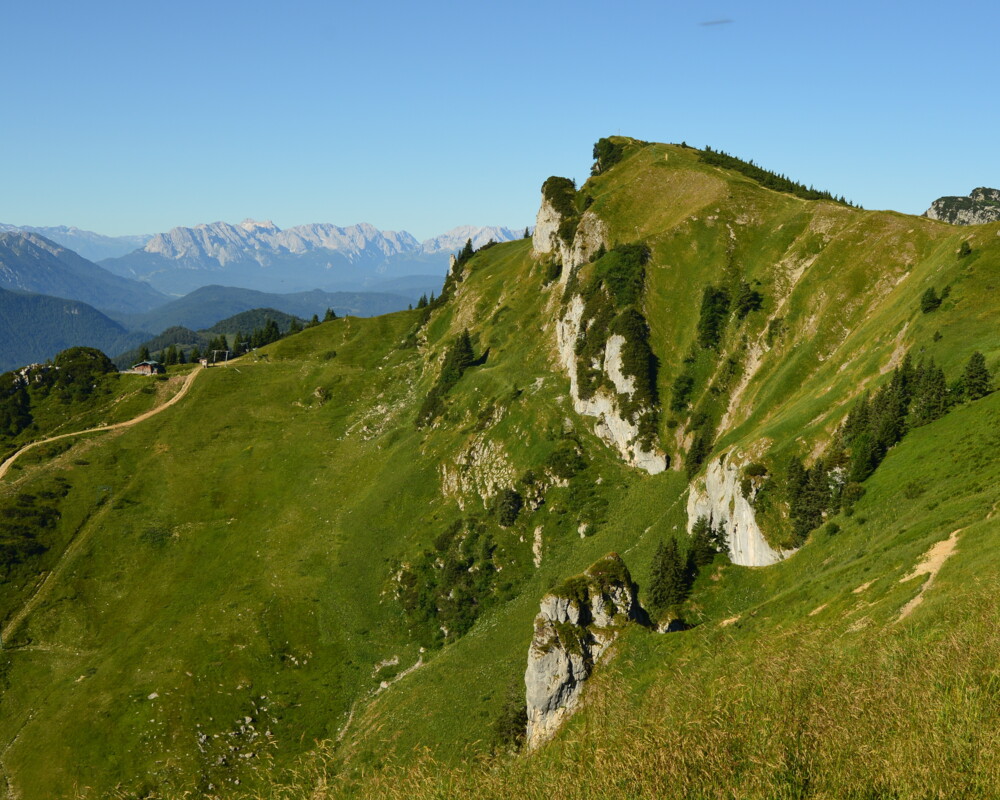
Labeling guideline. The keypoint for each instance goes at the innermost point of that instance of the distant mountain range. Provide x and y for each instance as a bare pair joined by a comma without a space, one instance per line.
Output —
90,245
262,256
31,263
123,301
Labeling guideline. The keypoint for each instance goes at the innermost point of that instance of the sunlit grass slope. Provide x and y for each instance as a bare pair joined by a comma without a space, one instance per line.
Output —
230,583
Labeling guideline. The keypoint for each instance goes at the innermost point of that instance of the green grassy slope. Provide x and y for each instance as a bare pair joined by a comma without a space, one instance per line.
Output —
229,595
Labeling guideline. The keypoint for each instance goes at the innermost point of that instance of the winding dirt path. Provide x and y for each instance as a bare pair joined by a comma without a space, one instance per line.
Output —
116,426
81,538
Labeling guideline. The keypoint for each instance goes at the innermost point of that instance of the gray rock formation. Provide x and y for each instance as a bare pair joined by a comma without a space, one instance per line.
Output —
981,206
612,425
576,624
717,496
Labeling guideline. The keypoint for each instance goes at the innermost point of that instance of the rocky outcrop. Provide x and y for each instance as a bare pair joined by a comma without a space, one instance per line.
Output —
612,426
718,497
590,234
981,206
545,238
577,622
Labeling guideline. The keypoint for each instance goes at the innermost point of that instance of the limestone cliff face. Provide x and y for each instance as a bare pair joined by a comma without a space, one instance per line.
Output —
982,205
621,432
591,233
545,238
718,497
576,624
612,426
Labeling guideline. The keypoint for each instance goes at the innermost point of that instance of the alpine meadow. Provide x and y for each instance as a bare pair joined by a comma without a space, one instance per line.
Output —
691,493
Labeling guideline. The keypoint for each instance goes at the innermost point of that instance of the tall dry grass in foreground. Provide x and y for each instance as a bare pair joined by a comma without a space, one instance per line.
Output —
895,713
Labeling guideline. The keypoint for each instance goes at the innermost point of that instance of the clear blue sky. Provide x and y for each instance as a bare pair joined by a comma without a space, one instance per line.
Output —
134,117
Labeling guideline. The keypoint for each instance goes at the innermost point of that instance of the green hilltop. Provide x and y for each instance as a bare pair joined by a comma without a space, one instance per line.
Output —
316,575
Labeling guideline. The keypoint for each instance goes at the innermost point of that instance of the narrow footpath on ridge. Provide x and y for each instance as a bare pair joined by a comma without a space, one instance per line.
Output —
79,541
116,426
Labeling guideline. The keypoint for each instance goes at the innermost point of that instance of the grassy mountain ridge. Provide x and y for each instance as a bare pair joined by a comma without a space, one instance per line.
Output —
240,590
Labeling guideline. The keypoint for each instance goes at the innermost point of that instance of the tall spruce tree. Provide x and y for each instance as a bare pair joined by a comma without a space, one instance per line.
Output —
668,581
976,377
930,395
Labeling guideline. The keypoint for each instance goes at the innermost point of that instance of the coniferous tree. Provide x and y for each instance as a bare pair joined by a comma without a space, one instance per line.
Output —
704,544
930,396
668,582
195,354
144,353
313,322
180,356
295,326
422,302
330,315
929,301
976,377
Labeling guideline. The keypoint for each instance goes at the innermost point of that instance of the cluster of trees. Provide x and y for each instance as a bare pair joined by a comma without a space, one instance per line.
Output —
73,375
446,588
672,573
460,357
606,155
915,395
931,300
764,177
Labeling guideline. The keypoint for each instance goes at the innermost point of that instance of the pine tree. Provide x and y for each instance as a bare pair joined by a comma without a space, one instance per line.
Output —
180,356
930,397
703,544
144,353
422,302
667,582
313,322
527,234
195,354
929,301
976,377
330,315
270,333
